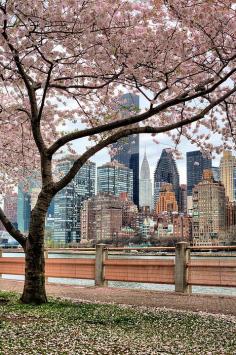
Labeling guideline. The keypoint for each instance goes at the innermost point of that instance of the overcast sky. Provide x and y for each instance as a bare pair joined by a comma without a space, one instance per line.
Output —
153,151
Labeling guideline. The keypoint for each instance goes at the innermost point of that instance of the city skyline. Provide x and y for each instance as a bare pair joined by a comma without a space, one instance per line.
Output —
153,152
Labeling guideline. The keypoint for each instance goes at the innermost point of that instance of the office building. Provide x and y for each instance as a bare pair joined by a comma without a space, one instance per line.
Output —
183,199
166,172
227,174
130,213
127,148
68,201
23,209
115,178
145,184
101,218
166,202
182,227
216,173
196,163
209,210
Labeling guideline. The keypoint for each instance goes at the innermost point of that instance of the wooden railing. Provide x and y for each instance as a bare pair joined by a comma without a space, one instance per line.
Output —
181,270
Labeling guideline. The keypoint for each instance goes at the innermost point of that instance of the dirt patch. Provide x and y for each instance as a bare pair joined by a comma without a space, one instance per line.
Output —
4,301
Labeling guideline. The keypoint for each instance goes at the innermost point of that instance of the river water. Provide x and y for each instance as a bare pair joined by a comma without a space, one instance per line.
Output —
144,286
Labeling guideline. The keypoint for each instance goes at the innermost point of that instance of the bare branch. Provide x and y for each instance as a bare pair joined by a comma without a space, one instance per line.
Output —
184,97
133,130
16,234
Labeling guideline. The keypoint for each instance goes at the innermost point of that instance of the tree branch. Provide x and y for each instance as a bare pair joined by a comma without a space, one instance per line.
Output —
133,130
137,118
15,233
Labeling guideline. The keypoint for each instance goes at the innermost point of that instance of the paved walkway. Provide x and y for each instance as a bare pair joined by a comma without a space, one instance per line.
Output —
196,303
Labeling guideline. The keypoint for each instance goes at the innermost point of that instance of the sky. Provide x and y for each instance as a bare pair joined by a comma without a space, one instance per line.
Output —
153,151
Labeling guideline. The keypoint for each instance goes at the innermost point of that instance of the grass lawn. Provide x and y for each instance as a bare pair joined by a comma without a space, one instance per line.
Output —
61,327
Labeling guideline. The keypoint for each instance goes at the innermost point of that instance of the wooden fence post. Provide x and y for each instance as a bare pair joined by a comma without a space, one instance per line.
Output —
101,255
182,256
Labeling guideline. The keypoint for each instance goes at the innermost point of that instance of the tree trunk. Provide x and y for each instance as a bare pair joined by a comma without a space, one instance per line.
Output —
34,287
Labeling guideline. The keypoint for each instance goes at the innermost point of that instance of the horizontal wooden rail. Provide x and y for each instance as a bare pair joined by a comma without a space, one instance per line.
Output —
148,271
62,268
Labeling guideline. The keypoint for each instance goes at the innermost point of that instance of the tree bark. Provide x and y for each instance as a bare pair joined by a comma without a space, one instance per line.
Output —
34,287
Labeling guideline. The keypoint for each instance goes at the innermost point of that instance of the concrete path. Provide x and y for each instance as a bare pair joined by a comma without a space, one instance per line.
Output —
197,303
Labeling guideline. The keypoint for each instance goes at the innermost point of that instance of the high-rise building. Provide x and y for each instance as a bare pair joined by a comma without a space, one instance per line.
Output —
166,172
216,173
145,185
23,209
227,165
196,163
167,200
68,201
127,148
130,213
183,198
209,210
101,218
115,178
182,227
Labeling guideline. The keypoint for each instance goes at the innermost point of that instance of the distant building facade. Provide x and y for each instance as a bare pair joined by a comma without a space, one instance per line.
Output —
115,178
101,218
68,201
127,148
182,227
196,163
167,200
145,184
227,171
216,173
130,213
209,210
166,172
23,209
183,198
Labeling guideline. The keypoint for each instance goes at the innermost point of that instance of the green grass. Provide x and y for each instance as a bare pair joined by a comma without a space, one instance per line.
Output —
61,327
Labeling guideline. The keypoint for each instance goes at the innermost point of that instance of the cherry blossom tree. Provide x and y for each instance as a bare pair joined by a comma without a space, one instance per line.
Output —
69,61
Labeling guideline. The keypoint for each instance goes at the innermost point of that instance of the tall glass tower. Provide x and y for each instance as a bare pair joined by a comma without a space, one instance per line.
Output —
166,171
145,184
68,201
196,163
115,178
128,147
23,209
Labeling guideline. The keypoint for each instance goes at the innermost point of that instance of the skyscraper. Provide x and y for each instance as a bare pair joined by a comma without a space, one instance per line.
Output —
196,163
216,173
115,178
209,210
183,198
145,184
227,165
127,148
67,202
166,172
23,209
